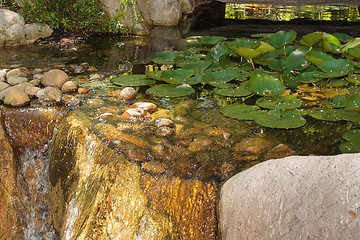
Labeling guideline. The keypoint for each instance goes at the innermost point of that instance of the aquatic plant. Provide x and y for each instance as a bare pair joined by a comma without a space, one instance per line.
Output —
317,75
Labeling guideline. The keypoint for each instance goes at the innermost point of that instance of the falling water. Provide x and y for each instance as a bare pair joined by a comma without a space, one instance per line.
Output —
34,166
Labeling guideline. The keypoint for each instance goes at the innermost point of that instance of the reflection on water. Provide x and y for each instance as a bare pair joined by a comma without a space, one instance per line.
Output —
287,13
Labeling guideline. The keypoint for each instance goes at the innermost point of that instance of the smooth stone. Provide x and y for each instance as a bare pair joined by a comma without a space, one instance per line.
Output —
279,151
54,78
200,144
2,79
135,155
145,106
71,101
153,167
15,80
15,73
49,94
37,71
69,86
3,86
298,197
128,93
83,90
16,97
164,122
248,146
31,91
164,132
3,73
35,82
38,76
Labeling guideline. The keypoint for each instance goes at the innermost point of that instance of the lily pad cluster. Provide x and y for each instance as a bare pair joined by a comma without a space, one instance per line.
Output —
317,74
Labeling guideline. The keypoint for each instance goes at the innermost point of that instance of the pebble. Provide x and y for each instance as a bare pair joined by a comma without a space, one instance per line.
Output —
164,122
83,90
37,71
128,93
16,73
200,144
54,78
71,101
153,167
164,132
249,146
15,80
3,73
69,86
16,97
50,94
38,76
31,91
35,82
135,155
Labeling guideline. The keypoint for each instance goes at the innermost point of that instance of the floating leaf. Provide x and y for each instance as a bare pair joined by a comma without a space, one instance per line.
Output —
353,103
282,38
353,78
354,52
317,58
337,68
184,60
165,57
311,39
355,43
132,80
265,84
198,66
334,83
330,43
277,64
154,74
296,59
344,38
242,111
279,102
339,102
219,50
245,47
177,76
170,90
309,77
220,77
198,78
289,80
280,119
265,58
240,91
335,115
353,144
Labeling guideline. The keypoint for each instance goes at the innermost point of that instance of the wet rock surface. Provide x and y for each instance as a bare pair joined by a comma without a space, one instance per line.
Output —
312,197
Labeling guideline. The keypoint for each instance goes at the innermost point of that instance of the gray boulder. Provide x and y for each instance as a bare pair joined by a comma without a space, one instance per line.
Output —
13,29
165,12
312,197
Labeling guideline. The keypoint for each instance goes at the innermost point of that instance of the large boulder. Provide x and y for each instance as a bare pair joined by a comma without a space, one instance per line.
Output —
312,197
13,29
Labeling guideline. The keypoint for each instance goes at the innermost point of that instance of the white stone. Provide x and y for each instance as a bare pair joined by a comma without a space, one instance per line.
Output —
309,197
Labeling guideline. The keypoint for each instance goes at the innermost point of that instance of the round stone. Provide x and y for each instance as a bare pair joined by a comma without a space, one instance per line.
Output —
128,93
54,78
16,97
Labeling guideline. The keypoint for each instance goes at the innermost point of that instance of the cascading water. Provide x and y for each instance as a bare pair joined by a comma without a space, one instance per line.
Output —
33,169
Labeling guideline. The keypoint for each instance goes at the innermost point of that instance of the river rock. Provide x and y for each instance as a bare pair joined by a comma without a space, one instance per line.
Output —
164,131
14,80
128,93
16,73
69,86
16,97
3,85
249,146
164,122
3,73
55,78
299,197
31,91
13,29
51,94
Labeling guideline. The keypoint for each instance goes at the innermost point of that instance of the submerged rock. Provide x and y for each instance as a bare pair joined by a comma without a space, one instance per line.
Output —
312,197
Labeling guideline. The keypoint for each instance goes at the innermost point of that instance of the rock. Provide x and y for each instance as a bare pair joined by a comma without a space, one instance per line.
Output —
153,167
54,78
14,80
3,73
165,12
164,132
248,146
200,144
279,151
3,86
16,97
37,71
38,76
299,197
145,106
13,29
35,82
83,90
128,93
31,91
135,155
71,101
164,122
69,86
51,94
15,73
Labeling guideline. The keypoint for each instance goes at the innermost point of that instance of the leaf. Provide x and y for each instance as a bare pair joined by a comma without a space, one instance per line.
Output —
353,78
165,57
335,115
277,64
353,103
330,43
245,47
177,76
296,59
311,39
282,38
240,91
344,38
354,52
241,111
170,90
317,58
279,102
355,43
353,144
198,66
132,80
279,119
265,85
198,78
154,74
337,67
220,77
219,50
309,77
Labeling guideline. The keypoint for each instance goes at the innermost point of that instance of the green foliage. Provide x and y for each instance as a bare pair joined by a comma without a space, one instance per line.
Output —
74,15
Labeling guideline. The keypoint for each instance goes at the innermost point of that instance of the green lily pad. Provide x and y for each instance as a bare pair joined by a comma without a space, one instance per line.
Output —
337,68
265,85
289,80
311,39
219,50
277,64
281,119
354,52
334,83
242,111
330,43
245,47
240,91
355,43
335,115
353,141
282,38
353,78
170,90
198,66
154,74
132,80
198,78
317,58
220,77
279,102
184,60
339,102
177,76
309,77
165,57
265,58
353,103
265,47
343,38
296,59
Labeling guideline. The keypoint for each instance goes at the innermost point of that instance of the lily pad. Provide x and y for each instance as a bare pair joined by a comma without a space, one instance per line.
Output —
296,59
281,119
132,80
353,78
311,39
240,91
279,102
170,90
337,68
353,141
343,38
282,38
317,58
309,77
353,103
198,66
265,85
219,50
265,58
154,74
165,57
335,115
177,76
355,43
277,64
198,78
220,77
242,111
330,43
245,47
354,52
